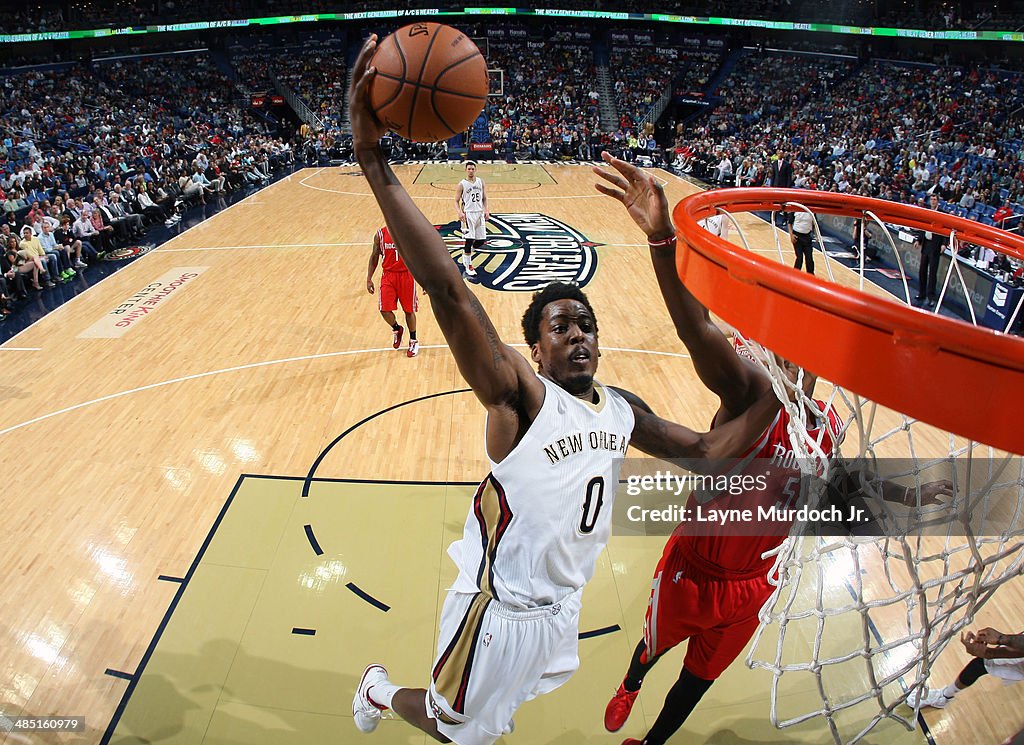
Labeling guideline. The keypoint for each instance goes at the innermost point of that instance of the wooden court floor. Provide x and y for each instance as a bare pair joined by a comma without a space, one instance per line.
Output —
225,493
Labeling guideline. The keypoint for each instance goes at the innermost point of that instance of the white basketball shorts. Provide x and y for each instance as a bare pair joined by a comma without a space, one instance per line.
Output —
491,658
1007,669
474,228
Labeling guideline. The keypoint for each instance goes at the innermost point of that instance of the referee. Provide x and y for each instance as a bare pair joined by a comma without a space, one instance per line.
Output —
800,234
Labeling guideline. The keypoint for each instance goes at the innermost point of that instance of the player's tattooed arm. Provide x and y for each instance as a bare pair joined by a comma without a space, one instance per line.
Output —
498,349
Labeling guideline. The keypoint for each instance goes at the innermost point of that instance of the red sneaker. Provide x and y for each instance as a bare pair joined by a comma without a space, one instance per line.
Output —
617,711
396,341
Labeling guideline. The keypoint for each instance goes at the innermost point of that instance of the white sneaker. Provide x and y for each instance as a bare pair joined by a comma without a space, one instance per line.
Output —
470,271
414,348
80,264
928,697
364,712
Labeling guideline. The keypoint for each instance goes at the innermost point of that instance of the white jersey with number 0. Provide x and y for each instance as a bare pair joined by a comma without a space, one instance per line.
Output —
542,516
472,195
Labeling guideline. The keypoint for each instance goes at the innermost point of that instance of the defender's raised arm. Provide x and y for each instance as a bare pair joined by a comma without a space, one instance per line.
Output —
737,382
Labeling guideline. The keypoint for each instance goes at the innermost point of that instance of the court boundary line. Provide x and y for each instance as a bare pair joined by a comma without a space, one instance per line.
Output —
154,250
264,245
162,625
135,677
265,363
490,197
925,729
323,453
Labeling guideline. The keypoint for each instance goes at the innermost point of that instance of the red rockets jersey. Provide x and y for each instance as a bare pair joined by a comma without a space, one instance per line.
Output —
391,261
736,549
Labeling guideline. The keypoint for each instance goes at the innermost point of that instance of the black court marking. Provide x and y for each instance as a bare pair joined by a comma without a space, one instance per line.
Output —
304,632
312,540
357,425
133,680
168,578
925,730
367,597
600,632
545,169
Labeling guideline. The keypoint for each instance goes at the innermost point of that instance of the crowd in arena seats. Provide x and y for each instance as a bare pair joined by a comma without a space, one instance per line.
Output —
254,69
888,130
316,74
320,78
641,77
113,148
770,88
549,106
171,129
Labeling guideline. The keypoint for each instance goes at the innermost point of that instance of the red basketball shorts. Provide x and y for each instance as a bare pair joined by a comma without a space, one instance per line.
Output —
716,614
398,287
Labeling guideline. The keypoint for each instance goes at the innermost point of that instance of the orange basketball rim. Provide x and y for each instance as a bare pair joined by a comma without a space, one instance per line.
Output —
948,373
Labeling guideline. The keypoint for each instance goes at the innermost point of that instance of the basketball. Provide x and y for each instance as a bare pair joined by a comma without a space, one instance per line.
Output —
431,82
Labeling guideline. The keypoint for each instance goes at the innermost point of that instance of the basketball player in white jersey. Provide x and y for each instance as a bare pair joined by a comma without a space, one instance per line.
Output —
471,202
554,439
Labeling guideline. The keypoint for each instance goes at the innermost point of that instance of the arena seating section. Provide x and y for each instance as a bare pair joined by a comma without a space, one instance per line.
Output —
183,124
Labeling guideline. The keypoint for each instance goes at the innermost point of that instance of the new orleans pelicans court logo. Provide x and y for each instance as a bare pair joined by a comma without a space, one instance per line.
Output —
127,252
526,251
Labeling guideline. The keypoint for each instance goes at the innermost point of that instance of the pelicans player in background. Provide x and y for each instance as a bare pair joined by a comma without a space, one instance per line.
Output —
396,286
471,202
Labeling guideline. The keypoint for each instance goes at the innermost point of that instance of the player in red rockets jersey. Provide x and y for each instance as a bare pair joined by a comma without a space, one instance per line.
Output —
712,578
396,286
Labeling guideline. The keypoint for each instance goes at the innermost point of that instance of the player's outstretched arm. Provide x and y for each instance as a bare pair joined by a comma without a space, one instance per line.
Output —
492,369
737,382
664,439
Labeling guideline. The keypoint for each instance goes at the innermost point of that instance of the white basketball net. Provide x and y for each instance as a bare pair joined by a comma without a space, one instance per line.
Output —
855,623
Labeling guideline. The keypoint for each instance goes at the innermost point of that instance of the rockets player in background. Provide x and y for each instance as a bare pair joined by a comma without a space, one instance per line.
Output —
709,586
396,286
